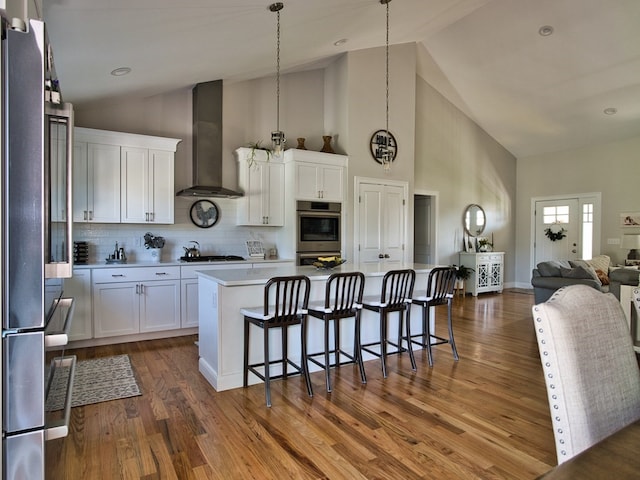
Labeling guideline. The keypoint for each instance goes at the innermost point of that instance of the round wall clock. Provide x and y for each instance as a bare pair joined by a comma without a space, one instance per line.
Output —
204,213
380,139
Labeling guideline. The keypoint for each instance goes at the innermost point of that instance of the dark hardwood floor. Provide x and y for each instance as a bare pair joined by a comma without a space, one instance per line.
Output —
485,416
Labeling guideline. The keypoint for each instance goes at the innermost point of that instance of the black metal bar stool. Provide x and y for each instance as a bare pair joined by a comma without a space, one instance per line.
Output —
397,289
285,304
440,286
342,299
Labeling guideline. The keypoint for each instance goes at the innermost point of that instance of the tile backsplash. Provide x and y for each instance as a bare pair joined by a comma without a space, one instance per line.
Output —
224,238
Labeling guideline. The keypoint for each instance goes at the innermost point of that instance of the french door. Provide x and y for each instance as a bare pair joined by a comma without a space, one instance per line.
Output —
381,226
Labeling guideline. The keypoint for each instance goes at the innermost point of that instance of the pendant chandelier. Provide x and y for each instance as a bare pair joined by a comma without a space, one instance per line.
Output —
387,153
277,137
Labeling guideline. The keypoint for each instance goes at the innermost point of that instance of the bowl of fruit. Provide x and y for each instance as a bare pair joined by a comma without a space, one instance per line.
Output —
328,262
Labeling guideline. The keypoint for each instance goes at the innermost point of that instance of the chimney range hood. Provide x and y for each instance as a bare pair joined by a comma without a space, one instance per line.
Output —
207,143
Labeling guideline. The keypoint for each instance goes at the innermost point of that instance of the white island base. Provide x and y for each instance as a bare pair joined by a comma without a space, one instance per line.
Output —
222,293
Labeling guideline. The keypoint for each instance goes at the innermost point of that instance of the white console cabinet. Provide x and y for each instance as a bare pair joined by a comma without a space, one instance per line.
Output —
488,271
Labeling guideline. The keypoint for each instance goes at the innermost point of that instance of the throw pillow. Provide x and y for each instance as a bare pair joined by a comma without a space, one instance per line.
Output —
600,262
579,272
551,268
586,266
603,277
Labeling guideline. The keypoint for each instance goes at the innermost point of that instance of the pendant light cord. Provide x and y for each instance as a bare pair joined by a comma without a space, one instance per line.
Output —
387,74
278,75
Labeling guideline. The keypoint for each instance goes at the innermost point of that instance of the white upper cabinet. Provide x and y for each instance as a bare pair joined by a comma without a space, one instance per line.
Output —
147,185
123,177
96,183
262,183
317,175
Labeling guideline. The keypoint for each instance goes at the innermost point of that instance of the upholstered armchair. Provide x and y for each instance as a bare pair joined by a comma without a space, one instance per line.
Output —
590,367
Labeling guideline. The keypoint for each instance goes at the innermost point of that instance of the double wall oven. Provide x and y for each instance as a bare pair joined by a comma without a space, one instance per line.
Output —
318,230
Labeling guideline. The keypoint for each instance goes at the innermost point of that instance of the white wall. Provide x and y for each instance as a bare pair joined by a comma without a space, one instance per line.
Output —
610,168
440,149
460,161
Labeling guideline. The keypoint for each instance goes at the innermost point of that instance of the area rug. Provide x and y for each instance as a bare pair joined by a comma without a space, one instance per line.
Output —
97,380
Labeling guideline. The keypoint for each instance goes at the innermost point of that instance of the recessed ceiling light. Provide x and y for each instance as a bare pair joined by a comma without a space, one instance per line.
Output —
120,71
545,30
610,111
340,42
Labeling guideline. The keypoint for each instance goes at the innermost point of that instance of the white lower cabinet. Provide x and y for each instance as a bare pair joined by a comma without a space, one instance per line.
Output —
79,287
135,300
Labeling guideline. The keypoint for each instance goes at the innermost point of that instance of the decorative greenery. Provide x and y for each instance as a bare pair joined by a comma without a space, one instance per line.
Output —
558,235
153,242
463,272
483,243
251,157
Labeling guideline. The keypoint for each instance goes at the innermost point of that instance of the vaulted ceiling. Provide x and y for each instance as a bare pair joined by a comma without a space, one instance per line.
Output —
532,93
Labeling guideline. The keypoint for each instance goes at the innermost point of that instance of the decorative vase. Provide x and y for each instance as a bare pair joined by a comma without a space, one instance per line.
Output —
156,255
326,148
301,144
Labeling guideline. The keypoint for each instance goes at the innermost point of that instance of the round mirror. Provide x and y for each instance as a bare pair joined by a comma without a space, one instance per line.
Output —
474,220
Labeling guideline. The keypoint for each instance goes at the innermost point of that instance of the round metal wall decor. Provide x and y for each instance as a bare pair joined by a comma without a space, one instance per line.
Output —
381,139
204,213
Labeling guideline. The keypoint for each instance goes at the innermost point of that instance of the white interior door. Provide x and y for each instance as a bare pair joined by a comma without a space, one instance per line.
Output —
561,216
381,222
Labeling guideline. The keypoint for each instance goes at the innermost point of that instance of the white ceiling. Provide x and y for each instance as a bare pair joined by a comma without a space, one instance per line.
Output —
533,94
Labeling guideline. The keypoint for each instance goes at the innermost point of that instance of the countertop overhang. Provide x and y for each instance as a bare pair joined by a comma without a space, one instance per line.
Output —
258,276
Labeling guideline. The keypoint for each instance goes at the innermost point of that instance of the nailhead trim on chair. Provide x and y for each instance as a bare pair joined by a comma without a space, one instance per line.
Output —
555,399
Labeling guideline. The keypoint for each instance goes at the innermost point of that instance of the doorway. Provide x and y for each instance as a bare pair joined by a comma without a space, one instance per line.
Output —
424,228
565,227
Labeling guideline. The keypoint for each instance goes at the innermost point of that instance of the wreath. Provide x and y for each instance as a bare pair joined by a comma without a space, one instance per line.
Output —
553,236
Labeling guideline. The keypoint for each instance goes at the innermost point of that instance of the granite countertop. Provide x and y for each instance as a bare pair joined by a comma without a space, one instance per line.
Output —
259,276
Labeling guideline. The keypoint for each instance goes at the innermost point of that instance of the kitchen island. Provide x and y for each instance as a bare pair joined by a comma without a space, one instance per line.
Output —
222,293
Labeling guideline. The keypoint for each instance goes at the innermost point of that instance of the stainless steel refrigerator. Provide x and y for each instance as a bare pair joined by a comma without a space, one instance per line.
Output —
36,253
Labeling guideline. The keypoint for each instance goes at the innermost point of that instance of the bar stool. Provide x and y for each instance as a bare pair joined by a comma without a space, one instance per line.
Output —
285,304
397,288
440,286
342,299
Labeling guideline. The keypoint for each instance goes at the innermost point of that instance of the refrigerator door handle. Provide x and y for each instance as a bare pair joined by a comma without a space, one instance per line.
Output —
58,335
60,428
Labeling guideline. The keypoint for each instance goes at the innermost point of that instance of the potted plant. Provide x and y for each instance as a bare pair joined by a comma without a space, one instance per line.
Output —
462,275
251,157
155,244
484,245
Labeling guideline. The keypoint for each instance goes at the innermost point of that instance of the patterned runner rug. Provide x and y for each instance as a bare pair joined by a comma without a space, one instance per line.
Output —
97,380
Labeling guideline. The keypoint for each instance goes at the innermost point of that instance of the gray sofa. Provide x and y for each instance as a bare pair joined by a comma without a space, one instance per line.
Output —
549,276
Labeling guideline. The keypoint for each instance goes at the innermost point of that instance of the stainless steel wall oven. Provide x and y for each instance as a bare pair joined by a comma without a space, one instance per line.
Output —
318,226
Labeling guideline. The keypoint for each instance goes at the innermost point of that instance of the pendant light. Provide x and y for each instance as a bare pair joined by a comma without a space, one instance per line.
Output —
277,137
387,153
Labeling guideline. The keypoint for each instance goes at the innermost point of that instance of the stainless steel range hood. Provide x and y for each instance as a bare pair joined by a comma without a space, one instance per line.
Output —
207,143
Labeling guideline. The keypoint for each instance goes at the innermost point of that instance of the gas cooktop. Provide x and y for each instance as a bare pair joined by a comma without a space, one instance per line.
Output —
212,258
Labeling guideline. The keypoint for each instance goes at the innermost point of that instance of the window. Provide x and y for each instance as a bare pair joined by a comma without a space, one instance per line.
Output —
587,230
556,214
